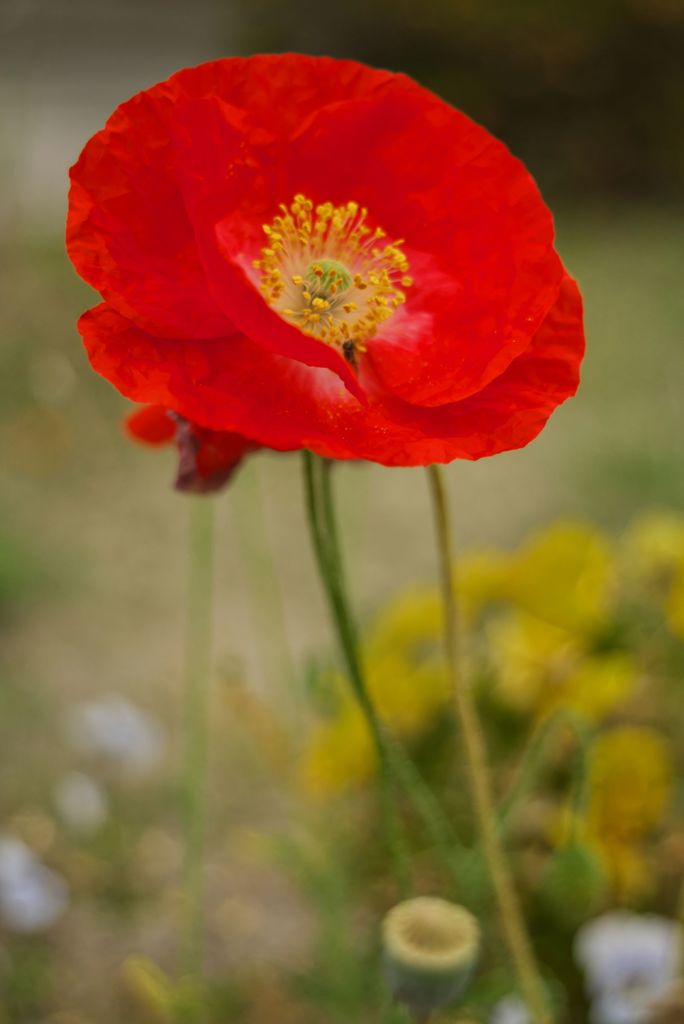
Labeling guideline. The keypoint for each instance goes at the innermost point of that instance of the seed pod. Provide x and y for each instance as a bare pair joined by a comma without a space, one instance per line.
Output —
430,951
574,884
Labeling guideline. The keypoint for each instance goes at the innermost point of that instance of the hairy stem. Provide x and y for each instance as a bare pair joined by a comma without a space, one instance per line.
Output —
324,534
512,922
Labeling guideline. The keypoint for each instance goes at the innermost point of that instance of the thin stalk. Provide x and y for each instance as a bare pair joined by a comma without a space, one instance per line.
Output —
196,725
530,765
527,771
428,807
512,922
335,553
533,759
323,526
580,799
405,774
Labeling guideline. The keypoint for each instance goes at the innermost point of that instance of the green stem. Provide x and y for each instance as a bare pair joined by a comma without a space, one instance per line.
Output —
196,719
528,769
332,533
512,921
533,759
583,734
323,525
405,772
403,768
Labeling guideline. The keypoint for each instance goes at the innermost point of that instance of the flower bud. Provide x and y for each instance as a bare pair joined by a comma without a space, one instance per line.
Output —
430,950
574,884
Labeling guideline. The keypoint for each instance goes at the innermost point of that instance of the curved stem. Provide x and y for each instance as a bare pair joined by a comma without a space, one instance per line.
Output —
436,820
580,799
405,773
196,723
512,922
526,771
323,524
403,768
532,760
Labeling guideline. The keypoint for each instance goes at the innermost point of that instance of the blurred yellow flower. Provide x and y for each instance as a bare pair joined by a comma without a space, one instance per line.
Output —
554,595
674,605
481,578
627,866
529,655
409,626
597,686
542,668
406,679
405,663
339,752
564,574
654,543
629,787
653,550
630,779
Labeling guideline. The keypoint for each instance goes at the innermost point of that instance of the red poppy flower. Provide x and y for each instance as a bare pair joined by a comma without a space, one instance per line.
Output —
312,253
207,458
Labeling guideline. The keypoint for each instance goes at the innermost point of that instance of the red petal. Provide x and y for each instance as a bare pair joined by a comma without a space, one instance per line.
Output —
151,425
128,233
478,235
217,173
232,384
207,458
479,238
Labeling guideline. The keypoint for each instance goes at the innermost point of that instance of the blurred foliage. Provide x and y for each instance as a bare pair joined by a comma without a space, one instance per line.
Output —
19,573
560,625
574,641
589,95
575,638
572,624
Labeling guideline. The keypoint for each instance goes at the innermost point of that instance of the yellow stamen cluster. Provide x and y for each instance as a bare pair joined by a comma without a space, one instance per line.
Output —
324,269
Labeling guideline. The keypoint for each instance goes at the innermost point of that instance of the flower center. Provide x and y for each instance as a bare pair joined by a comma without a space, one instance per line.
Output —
327,272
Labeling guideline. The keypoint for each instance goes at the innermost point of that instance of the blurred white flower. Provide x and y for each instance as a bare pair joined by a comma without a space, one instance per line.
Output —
15,856
510,1010
629,960
32,897
80,802
117,731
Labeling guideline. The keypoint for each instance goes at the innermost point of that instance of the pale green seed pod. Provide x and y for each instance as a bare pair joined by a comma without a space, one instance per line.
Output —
574,884
431,948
